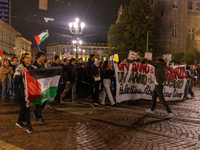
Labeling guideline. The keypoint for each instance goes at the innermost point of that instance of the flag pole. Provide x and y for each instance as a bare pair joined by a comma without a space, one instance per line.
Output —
39,48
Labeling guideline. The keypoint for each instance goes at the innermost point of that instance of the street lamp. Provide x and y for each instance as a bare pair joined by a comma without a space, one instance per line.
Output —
76,28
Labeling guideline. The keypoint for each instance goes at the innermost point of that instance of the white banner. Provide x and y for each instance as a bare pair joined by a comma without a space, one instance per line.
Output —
136,81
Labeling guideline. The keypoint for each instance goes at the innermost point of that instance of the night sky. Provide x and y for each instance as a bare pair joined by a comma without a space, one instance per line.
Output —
98,15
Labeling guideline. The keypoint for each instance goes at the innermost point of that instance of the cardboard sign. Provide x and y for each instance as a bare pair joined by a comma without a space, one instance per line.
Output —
132,55
148,56
168,57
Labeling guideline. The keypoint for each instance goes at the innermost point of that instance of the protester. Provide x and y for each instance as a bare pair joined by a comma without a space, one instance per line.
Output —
39,63
46,65
198,73
187,87
24,114
88,90
107,75
160,74
80,61
80,78
6,76
59,90
70,80
193,75
96,79
123,61
14,64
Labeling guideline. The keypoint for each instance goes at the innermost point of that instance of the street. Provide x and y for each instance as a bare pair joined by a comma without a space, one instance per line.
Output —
127,127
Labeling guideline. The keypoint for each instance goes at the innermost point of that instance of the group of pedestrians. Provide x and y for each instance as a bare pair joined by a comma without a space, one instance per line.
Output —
87,79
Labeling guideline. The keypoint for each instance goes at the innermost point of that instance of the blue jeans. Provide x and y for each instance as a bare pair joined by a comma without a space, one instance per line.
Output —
188,89
6,86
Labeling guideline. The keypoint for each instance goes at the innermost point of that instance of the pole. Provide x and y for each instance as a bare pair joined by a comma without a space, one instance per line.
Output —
39,48
147,41
76,46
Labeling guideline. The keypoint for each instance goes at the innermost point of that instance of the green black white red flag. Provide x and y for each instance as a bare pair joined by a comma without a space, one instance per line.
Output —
41,84
41,37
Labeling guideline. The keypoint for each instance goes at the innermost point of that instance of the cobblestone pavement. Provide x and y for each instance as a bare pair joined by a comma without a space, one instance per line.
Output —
126,127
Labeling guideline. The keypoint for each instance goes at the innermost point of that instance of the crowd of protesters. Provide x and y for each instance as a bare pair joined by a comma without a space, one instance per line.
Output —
93,79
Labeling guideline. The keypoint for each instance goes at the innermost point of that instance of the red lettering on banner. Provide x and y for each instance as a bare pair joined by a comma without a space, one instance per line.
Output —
177,73
152,69
127,67
135,67
141,68
120,67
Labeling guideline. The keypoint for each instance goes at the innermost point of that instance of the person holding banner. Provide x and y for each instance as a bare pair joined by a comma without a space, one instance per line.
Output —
24,114
160,74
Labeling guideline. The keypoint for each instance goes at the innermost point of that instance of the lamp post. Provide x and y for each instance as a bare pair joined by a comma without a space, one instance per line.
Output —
76,28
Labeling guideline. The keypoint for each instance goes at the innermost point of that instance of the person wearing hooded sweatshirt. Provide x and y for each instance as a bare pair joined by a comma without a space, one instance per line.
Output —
88,90
6,76
160,73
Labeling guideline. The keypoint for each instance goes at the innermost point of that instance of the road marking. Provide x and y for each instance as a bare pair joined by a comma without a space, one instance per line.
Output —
7,146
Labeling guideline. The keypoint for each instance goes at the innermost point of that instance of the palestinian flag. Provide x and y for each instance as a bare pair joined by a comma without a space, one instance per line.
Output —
41,37
41,84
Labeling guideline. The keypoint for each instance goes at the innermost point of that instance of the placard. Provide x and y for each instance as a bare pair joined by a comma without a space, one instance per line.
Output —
132,55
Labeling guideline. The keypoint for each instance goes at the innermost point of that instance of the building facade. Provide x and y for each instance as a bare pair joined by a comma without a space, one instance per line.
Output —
34,51
5,11
22,45
7,39
178,24
84,51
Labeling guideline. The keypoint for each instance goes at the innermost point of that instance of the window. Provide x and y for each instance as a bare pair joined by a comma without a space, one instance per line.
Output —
175,5
191,34
162,13
174,30
198,6
189,5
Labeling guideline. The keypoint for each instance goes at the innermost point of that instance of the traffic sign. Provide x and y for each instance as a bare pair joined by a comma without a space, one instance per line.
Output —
99,52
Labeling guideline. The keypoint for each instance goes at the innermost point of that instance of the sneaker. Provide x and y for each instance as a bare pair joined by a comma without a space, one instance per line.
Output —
169,115
41,121
30,130
149,111
193,96
114,105
95,104
34,116
48,107
20,124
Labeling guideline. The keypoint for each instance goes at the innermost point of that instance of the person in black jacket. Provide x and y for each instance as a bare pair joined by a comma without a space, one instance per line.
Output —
81,76
88,90
70,80
56,62
24,114
96,74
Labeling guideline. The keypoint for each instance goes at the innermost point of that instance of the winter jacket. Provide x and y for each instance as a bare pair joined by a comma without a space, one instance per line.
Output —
108,74
6,72
160,71
81,74
14,65
71,74
88,71
19,83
